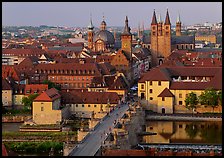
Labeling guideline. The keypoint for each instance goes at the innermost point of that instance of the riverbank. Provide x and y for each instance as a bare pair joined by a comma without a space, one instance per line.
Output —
160,117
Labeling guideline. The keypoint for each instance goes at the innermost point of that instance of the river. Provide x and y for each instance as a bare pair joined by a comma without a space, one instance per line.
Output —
184,132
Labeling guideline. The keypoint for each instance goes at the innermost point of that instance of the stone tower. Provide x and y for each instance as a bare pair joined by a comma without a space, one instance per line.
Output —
90,34
178,26
126,39
160,39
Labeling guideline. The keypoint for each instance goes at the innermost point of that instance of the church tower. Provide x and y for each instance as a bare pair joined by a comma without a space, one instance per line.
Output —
167,36
90,34
154,39
178,26
103,25
126,39
160,39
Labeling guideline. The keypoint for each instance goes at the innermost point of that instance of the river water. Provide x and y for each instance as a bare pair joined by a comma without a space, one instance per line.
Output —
175,132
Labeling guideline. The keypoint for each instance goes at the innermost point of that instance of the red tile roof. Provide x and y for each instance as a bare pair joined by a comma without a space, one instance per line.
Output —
166,93
6,85
49,95
24,52
77,97
35,88
119,152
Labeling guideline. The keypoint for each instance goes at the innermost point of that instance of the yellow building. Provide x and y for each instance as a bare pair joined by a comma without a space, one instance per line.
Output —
46,108
208,38
6,93
165,89
84,104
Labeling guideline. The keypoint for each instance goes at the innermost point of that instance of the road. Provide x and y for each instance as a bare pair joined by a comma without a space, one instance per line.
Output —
93,142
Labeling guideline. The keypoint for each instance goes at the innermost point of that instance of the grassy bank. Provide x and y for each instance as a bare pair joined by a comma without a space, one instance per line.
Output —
35,147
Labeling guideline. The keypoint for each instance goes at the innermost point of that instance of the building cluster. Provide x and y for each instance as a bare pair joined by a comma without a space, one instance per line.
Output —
96,73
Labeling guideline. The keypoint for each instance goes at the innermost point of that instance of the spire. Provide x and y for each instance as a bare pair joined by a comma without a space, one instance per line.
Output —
167,21
143,29
103,24
90,27
154,21
178,18
126,27
159,19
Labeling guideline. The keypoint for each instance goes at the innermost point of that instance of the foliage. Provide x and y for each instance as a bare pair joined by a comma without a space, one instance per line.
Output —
191,130
212,133
9,112
27,134
27,101
220,97
51,85
35,147
209,97
191,101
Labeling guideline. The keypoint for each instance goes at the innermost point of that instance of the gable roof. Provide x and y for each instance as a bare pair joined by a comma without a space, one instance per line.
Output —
6,85
48,96
166,93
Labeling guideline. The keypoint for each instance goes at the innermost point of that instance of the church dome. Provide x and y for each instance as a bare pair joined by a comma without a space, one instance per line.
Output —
104,35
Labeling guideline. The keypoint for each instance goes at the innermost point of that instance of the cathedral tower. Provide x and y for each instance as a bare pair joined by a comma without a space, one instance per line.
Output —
90,34
160,39
178,26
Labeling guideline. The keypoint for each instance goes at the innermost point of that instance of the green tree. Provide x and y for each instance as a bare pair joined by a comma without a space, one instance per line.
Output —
209,97
51,85
27,101
220,97
191,130
191,101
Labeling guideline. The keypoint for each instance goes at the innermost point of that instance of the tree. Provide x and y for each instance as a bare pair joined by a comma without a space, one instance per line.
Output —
27,101
191,101
209,97
191,130
51,85
220,97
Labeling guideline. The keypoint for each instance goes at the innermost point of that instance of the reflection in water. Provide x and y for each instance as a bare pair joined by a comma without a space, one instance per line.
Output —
184,132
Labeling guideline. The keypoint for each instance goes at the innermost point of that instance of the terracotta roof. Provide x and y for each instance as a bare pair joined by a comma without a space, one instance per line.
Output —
49,95
9,70
76,97
35,88
119,83
4,151
6,85
119,152
106,68
64,67
156,74
166,93
19,52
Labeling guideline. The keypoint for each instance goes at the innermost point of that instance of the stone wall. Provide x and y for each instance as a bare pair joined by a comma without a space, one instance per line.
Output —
18,118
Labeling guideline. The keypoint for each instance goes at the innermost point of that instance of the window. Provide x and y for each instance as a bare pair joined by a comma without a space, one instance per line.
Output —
151,128
150,83
163,98
142,86
77,105
180,126
150,90
180,103
180,95
42,109
151,98
159,83
186,95
83,105
88,105
94,105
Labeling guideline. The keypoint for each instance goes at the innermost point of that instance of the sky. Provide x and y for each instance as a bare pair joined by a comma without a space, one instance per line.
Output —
77,14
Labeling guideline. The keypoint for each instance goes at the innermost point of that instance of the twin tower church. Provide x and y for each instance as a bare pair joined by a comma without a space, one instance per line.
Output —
160,38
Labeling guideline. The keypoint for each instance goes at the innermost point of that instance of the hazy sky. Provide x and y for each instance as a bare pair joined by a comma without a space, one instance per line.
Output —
73,14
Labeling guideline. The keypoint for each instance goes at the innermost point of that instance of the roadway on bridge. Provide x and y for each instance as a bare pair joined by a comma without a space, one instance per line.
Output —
93,142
